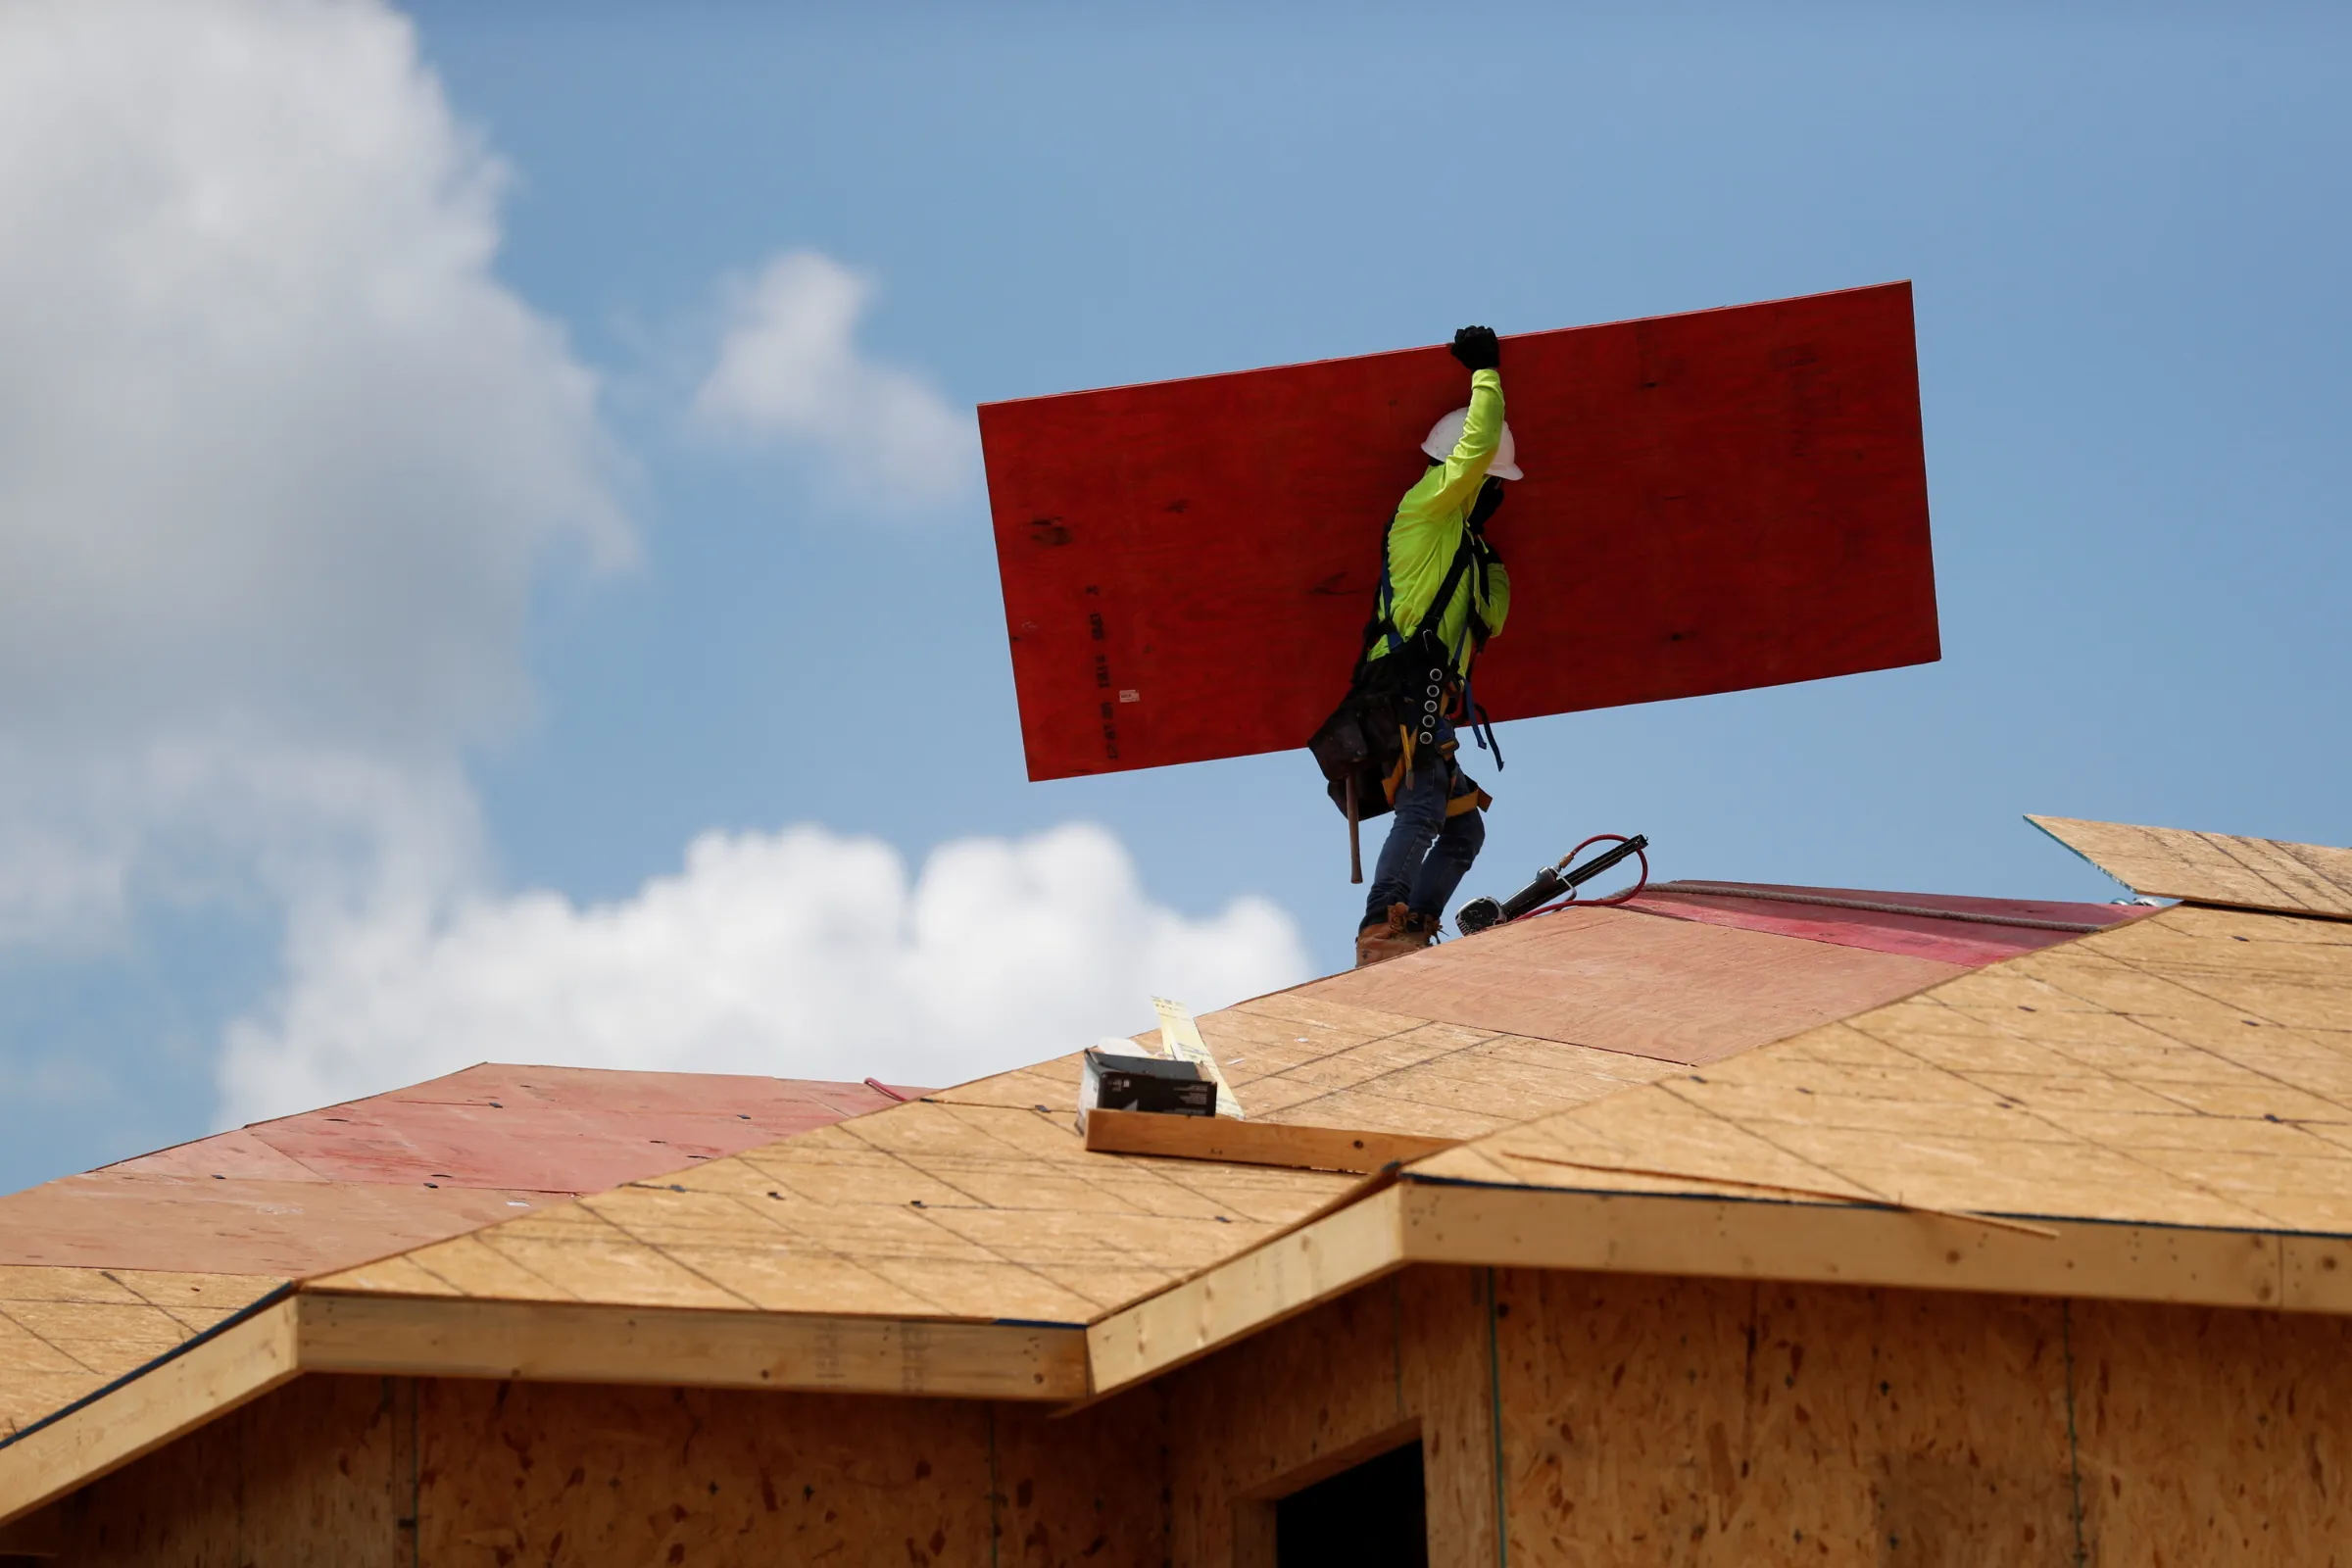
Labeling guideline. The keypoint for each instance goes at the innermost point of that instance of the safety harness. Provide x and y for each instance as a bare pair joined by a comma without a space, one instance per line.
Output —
1365,748
1423,664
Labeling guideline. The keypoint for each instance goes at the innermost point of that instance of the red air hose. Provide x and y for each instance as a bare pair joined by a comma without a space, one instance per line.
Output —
1597,904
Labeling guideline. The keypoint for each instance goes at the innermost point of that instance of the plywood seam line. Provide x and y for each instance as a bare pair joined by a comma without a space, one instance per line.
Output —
1176,1176
2073,1445
2227,845
1136,1260
2036,1112
1485,1038
1869,1194
250,1311
966,1194
415,1255
1340,1051
1503,1502
24,1326
164,1307
819,1244
1385,1073
1729,889
2248,1201
664,1254
1997,1221
1370,1186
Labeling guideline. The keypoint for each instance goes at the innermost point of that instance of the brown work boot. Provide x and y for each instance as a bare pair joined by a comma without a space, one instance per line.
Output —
1400,934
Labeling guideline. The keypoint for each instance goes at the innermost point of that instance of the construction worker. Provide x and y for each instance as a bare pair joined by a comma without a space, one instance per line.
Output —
1436,545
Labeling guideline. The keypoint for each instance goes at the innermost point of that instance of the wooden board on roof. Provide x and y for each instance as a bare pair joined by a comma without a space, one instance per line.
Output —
2194,1068
325,1189
1620,980
2224,868
67,1331
1714,501
982,1202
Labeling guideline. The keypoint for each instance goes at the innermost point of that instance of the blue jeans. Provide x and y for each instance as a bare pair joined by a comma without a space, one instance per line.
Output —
1428,852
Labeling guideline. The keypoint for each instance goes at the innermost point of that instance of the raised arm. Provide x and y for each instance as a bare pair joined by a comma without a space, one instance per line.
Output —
1482,429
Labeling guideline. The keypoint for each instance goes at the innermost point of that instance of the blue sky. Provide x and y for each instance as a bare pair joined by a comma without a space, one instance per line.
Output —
2126,237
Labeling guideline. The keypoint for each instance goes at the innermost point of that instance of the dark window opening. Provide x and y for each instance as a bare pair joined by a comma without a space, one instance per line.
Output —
1371,1516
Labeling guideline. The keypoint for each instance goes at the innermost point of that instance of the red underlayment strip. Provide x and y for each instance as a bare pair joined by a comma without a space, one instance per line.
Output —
1972,943
1610,978
1713,500
332,1188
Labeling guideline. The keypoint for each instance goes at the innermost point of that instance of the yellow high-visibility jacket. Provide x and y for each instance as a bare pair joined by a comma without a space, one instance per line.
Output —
1428,531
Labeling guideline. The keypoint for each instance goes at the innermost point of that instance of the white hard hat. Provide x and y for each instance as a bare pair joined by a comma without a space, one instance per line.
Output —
1446,433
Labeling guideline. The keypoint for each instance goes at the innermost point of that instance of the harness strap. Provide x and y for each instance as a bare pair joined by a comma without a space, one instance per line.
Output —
1384,605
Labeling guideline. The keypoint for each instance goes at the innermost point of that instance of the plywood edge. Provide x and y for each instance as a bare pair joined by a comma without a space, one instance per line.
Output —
582,1343
1337,1252
1254,1143
209,1378
2154,879
1839,1244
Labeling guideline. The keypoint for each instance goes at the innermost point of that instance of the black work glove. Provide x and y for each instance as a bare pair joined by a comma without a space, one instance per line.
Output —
1476,348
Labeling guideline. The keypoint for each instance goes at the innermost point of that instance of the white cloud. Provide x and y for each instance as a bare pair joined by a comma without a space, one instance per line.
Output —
797,954
789,367
281,461
280,458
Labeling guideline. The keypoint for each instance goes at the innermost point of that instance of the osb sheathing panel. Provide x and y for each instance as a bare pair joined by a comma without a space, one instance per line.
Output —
2194,1068
1660,1421
982,1202
68,1332
1655,1421
568,1474
2168,862
1402,1358
1645,1421
321,1471
380,1472
2210,1436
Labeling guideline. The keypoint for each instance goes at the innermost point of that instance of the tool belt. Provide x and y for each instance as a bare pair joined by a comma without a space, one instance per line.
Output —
1389,716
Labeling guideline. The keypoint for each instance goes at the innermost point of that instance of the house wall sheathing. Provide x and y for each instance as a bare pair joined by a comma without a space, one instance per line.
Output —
394,1472
1643,1420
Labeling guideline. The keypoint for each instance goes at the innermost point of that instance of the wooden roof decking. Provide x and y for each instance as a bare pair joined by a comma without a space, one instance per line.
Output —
102,1273
982,1202
2222,868
2167,1100
1681,990
65,1331
2160,1110
2194,1068
333,1186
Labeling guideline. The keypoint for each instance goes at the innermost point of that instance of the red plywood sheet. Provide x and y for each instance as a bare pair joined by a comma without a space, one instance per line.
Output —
1969,943
1675,989
550,1149
329,1188
1714,501
542,1128
237,1152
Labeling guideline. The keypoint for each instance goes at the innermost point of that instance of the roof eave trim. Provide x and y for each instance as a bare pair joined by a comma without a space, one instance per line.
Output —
291,1334
1442,1221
